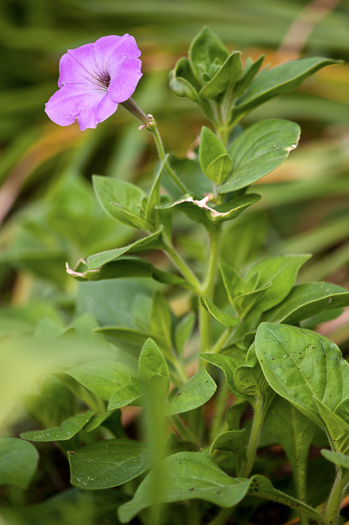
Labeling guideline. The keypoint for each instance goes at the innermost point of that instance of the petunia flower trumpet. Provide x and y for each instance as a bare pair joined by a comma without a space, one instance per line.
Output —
94,79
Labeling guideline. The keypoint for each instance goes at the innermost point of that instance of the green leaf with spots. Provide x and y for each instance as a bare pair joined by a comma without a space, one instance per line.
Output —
107,463
193,394
68,429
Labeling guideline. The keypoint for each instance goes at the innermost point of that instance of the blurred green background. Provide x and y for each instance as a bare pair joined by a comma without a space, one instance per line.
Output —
48,213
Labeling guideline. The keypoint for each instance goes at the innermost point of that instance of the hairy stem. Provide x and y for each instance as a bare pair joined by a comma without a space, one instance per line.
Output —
254,437
336,496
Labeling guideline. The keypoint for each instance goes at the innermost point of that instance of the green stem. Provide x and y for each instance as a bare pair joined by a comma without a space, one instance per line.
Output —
152,127
336,496
208,288
220,410
254,437
222,340
182,267
185,433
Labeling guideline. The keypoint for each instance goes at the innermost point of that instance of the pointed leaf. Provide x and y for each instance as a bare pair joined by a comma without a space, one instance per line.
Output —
228,364
336,427
154,197
226,77
125,334
69,428
196,392
107,463
282,273
306,300
338,459
231,441
233,282
183,331
205,50
222,317
123,396
152,362
211,148
183,82
219,169
18,462
277,81
245,302
250,71
151,242
160,319
259,150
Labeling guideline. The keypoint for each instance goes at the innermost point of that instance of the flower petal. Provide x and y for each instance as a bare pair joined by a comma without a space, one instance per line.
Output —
124,79
112,49
73,102
105,108
78,66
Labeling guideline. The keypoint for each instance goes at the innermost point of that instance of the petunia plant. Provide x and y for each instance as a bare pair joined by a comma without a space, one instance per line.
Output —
240,369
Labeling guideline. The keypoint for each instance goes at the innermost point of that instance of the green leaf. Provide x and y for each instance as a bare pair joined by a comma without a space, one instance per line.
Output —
249,379
183,331
151,242
342,410
226,77
277,81
338,459
123,396
183,82
121,200
306,300
282,273
228,364
214,161
231,441
294,432
336,427
205,51
152,363
97,420
245,302
189,475
160,319
233,282
301,365
197,391
154,197
222,317
101,377
107,463
69,428
18,462
125,334
259,150
250,71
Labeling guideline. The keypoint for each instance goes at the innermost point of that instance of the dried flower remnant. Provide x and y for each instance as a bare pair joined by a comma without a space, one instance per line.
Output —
93,80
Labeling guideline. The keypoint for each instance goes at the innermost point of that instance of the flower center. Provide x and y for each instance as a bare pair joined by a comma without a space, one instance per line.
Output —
104,80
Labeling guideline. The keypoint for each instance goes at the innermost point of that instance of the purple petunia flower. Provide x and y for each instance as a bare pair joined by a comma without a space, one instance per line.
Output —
93,79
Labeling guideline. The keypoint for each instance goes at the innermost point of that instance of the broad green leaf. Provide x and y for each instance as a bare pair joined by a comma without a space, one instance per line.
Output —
189,475
123,396
219,169
183,331
197,391
306,300
123,268
294,432
277,81
282,273
301,365
18,462
211,148
190,173
151,242
183,82
152,363
69,428
336,428
228,364
107,463
250,71
338,459
101,377
259,150
224,318
160,319
121,200
249,379
226,77
154,197
342,410
231,441
206,53
97,420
